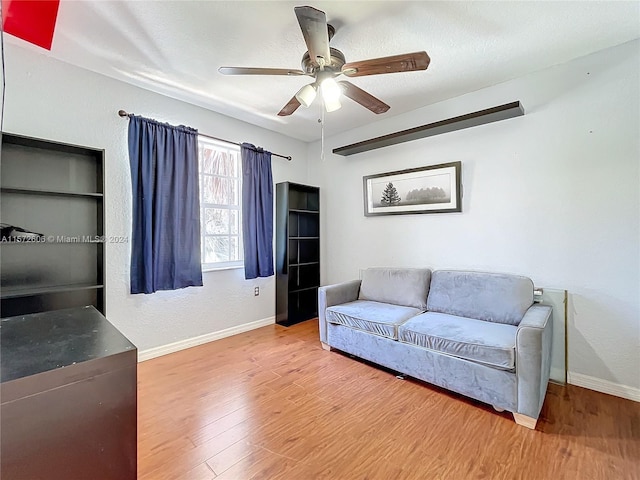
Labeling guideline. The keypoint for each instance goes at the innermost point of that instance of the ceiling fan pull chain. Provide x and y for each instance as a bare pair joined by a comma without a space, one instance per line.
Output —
321,120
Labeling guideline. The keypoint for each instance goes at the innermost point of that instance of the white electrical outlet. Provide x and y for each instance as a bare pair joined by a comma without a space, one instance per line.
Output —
256,291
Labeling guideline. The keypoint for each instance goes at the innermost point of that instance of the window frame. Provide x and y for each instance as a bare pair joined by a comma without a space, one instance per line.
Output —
228,147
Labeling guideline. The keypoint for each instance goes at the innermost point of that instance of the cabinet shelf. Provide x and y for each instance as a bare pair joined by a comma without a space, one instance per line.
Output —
41,244
303,289
57,193
10,292
299,210
303,263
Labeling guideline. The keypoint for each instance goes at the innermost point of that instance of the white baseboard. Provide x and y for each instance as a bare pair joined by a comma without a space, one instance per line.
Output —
209,337
604,386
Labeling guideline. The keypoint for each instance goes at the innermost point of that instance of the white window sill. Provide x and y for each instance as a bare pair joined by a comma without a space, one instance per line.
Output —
219,269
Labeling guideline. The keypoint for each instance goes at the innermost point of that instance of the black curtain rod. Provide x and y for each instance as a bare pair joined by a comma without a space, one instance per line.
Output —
122,113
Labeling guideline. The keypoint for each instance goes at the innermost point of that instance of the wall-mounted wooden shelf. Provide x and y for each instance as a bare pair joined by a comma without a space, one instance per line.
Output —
494,114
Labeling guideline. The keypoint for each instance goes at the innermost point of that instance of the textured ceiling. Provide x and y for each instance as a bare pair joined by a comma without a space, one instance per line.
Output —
176,47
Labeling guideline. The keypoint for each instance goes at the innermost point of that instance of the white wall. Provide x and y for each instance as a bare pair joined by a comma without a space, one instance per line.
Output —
49,99
552,195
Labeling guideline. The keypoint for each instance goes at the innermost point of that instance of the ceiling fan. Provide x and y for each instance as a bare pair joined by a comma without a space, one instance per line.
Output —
325,63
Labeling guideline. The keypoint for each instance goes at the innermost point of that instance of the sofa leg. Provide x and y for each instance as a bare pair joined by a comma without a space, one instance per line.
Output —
325,346
498,409
525,421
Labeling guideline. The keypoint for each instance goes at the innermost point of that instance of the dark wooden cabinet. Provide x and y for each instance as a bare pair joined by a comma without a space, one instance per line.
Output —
297,252
55,190
68,398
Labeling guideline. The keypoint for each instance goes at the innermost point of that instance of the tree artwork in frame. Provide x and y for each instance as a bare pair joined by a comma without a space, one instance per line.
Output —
431,189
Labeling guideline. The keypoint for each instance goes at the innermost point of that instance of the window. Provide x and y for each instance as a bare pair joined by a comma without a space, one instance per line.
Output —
221,229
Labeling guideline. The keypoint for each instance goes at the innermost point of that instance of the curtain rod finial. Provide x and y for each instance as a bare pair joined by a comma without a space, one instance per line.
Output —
122,113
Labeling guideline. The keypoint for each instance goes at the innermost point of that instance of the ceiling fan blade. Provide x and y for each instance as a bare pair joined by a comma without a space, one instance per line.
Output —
258,71
365,99
289,108
313,23
407,62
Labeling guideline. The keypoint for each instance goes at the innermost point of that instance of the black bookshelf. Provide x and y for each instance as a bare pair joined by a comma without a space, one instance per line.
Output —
297,252
55,189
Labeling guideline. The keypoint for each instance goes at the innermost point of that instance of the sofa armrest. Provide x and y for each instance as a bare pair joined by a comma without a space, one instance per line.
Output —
335,295
533,359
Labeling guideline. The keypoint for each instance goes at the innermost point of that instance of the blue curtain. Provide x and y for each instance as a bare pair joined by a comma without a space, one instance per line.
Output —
257,211
165,250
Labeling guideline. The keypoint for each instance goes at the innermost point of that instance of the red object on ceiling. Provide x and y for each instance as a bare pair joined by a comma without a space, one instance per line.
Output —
31,20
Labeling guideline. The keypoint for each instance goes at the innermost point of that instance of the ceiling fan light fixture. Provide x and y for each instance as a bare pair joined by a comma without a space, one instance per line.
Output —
306,95
330,91
332,105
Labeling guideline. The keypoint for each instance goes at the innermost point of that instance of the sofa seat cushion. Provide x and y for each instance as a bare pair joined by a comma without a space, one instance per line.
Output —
375,317
483,342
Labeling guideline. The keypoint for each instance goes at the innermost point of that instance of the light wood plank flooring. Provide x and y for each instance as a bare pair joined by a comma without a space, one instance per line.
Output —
271,404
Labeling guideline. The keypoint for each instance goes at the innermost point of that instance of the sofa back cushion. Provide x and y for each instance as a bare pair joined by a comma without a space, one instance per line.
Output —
399,286
493,297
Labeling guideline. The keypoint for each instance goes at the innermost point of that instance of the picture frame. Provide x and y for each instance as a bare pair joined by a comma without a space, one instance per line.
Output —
430,189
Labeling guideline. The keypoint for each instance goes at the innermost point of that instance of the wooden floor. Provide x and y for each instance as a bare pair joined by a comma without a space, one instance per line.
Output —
271,404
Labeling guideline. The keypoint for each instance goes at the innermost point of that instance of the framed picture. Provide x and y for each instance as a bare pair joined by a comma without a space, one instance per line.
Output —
432,189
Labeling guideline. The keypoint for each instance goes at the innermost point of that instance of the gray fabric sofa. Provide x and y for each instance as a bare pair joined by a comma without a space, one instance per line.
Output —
478,334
